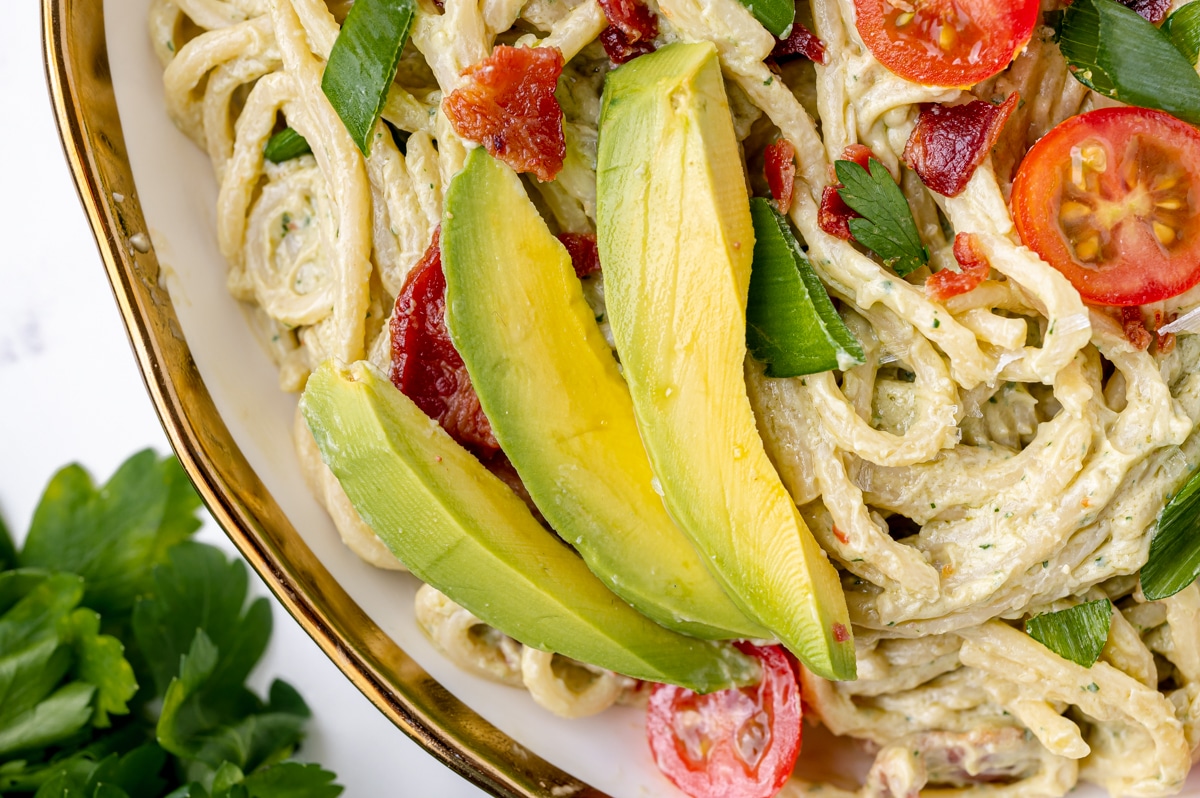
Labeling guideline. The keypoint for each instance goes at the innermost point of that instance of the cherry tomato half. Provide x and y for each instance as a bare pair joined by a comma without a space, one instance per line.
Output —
945,42
736,743
1111,199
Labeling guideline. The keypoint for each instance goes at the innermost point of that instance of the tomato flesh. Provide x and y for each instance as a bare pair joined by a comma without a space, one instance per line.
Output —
1110,199
945,42
425,365
736,743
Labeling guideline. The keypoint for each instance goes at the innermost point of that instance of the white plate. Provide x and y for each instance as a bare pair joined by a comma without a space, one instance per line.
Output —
178,197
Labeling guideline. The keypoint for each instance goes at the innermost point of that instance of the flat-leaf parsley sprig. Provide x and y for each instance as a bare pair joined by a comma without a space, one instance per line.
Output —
125,648
887,227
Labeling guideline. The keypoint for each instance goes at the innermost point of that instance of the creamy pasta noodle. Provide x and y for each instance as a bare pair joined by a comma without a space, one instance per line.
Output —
1002,451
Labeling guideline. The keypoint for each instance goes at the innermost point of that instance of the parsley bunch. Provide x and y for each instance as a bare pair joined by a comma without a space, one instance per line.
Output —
125,648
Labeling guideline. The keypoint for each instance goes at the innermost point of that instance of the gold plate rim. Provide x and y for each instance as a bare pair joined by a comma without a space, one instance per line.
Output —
84,102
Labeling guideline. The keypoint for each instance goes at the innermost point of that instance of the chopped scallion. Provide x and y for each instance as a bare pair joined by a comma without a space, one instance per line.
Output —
1183,28
1175,550
363,62
285,145
1077,634
791,325
776,16
1113,50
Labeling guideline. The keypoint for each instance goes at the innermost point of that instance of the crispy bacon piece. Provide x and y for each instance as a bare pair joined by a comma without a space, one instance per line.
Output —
507,104
425,365
1135,328
975,268
630,32
585,255
801,41
1164,342
779,165
1153,10
950,141
834,215
619,49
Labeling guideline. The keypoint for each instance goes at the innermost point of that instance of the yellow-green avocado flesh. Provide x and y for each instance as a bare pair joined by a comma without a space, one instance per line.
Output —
676,243
558,406
462,530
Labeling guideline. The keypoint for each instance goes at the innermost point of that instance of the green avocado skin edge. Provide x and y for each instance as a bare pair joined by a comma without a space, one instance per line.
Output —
558,406
676,241
463,531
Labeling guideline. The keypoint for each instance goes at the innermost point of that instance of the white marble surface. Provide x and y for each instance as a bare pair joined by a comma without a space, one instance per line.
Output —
70,391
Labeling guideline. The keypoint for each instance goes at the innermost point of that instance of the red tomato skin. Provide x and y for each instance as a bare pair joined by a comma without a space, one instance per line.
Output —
780,170
1003,27
1144,274
425,365
724,774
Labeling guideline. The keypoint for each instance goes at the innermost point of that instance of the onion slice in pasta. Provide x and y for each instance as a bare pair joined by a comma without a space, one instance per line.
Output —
1077,633
1175,550
363,63
286,145
1112,50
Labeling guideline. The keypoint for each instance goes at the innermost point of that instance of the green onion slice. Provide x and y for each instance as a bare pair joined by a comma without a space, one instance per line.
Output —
363,62
1116,52
286,145
776,16
1183,29
1077,634
791,324
1175,550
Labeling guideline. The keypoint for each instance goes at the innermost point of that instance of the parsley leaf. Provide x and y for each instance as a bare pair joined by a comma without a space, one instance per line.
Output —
201,642
117,558
34,710
114,535
887,227
197,588
100,661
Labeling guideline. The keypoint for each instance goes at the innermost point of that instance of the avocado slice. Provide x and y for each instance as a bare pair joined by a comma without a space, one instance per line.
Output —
462,530
676,240
558,406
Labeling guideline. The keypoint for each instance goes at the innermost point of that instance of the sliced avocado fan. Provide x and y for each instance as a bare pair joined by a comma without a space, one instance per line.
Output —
676,242
462,530
558,406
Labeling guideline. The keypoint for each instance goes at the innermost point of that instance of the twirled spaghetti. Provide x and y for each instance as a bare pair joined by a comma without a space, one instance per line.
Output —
1000,453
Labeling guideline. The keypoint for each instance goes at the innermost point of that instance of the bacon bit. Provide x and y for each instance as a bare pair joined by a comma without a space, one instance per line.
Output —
630,32
834,215
780,169
950,141
426,367
507,104
1135,328
800,42
1164,342
839,633
842,537
975,268
585,255
1153,10
619,49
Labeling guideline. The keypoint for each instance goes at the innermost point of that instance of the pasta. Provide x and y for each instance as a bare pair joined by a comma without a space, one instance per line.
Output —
1000,453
